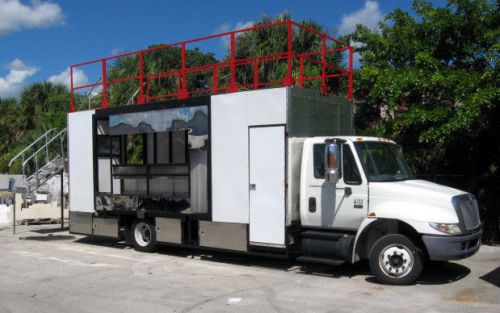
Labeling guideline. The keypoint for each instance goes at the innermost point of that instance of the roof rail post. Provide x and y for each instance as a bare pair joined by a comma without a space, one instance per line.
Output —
256,74
288,80
140,99
350,90
104,103
182,93
324,87
216,80
71,93
301,71
232,85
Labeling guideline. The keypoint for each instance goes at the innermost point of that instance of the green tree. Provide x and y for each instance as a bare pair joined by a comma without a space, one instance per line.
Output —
273,40
35,100
430,81
157,61
41,106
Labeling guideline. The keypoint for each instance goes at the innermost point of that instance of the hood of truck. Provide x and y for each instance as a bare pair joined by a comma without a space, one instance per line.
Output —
416,200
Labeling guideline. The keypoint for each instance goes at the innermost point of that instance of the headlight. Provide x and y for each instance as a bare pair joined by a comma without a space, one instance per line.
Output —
452,229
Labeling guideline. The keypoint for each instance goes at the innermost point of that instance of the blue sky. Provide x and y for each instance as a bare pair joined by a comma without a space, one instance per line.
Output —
39,39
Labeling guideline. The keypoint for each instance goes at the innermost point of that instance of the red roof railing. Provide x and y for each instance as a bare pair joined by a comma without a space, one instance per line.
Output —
144,80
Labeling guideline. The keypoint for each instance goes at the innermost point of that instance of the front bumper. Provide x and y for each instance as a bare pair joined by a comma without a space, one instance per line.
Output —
444,248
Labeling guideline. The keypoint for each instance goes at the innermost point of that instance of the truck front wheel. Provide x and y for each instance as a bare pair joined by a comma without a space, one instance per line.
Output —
395,260
143,236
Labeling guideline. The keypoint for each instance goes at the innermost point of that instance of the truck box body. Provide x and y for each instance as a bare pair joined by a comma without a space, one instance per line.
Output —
219,171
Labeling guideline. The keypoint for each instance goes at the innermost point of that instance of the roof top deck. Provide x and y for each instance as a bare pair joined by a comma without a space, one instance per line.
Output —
223,76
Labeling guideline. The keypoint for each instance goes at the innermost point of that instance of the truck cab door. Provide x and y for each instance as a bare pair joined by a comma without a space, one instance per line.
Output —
317,195
351,192
325,204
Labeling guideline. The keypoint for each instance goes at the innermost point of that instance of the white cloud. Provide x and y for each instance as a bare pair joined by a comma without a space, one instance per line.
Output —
369,15
228,27
14,81
15,15
79,78
117,51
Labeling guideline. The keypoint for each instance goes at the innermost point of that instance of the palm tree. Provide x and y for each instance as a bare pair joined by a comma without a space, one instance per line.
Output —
272,40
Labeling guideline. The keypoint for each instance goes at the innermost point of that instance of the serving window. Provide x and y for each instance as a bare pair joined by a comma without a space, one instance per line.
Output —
158,157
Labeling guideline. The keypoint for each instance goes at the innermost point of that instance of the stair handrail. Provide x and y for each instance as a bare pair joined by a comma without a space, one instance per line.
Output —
59,134
31,145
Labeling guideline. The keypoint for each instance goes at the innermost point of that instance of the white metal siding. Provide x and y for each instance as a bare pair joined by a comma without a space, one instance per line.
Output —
231,115
81,165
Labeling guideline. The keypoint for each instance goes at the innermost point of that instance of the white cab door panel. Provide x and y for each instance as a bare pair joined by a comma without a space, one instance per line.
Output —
267,185
317,195
325,205
351,193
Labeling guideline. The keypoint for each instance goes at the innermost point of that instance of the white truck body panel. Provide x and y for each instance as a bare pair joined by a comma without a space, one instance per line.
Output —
231,115
80,156
416,202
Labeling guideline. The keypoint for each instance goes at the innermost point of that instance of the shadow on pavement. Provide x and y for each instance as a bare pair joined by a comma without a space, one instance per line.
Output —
433,274
102,241
493,277
345,270
49,237
436,273
51,230
443,273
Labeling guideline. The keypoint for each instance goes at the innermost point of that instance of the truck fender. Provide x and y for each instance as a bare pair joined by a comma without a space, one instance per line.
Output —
367,221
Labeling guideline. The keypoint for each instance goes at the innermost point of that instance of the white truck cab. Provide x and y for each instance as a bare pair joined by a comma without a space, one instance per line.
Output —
362,188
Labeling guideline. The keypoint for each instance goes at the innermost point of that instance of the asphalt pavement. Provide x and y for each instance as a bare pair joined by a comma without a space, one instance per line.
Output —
45,269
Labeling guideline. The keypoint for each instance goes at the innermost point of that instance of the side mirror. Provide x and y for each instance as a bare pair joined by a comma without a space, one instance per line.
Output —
332,162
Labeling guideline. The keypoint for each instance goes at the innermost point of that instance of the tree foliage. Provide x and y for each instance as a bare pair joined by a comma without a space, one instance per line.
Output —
430,82
427,79
273,40
40,106
157,61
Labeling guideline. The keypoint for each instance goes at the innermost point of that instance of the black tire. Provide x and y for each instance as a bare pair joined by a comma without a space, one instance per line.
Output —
143,236
395,260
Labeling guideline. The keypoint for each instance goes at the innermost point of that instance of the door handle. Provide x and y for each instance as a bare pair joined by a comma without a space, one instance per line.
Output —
348,191
252,186
312,204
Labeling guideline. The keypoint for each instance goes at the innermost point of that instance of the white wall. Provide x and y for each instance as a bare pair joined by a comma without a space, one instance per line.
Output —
80,158
231,115
4,211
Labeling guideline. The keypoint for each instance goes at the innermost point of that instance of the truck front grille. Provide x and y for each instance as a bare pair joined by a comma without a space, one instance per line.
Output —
467,211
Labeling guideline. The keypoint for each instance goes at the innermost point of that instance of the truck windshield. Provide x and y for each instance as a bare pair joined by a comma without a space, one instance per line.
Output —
382,162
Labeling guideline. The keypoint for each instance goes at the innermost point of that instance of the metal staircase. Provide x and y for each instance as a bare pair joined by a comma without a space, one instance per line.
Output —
40,161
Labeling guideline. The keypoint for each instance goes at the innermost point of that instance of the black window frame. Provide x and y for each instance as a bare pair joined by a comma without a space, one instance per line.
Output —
341,172
355,164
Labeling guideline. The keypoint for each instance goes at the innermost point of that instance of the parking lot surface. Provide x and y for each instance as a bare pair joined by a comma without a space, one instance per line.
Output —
43,269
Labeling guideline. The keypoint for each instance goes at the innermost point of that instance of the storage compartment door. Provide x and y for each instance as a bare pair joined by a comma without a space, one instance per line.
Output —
81,161
267,185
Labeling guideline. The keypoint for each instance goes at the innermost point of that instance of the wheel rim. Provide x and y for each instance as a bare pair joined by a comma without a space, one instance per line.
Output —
142,234
396,260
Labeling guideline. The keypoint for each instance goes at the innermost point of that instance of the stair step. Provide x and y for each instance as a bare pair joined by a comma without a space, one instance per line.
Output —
322,235
310,259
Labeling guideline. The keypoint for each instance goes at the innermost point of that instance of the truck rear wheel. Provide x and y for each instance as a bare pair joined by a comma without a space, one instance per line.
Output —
395,260
143,236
